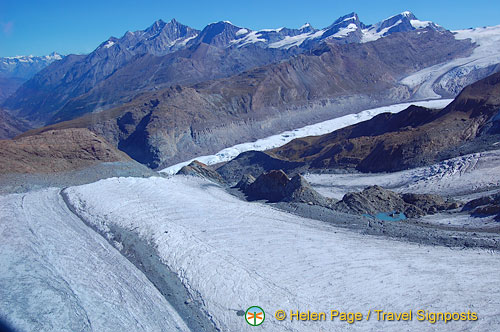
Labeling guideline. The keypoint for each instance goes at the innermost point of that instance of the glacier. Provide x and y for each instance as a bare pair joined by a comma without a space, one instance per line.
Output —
232,254
57,274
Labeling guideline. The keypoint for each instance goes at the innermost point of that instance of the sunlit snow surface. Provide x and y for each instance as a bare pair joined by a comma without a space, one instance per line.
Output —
486,54
57,274
311,130
232,254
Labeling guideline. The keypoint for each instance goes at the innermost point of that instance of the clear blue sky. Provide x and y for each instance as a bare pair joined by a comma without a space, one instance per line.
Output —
67,26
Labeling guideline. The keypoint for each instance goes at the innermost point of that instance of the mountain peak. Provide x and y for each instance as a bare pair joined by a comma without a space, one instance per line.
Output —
345,27
156,26
219,33
345,20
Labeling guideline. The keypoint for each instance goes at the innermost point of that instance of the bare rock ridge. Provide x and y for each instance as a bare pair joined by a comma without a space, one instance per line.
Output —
484,206
374,200
254,163
199,169
275,186
178,123
56,151
414,137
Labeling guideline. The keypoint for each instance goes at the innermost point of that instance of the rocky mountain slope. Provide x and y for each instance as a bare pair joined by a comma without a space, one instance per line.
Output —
178,123
170,53
56,151
10,126
414,137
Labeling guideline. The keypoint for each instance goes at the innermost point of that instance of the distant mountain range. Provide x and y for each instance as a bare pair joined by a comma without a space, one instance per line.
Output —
181,122
170,93
14,71
171,53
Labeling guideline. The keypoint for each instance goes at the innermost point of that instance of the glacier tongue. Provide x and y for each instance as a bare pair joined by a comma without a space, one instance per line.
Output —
57,274
452,76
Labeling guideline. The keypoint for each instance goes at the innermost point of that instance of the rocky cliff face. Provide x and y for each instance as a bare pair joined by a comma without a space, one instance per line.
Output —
414,137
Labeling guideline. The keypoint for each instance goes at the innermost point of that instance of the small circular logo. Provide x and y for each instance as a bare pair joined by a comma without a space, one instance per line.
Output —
255,316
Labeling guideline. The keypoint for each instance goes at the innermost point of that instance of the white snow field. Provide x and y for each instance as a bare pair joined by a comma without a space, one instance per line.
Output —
487,53
319,128
232,254
478,172
57,274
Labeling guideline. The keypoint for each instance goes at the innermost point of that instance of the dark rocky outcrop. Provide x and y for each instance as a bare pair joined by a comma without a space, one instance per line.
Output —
428,203
245,182
484,206
270,186
196,168
299,190
255,163
374,200
276,186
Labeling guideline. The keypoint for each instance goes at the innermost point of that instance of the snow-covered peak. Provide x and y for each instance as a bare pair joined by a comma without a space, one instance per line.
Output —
406,21
53,56
219,23
26,66
346,27
159,38
32,59
307,25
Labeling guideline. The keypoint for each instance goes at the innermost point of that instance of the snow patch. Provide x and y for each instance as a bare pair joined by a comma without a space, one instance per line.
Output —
108,44
241,32
417,24
344,32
